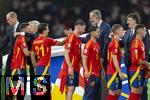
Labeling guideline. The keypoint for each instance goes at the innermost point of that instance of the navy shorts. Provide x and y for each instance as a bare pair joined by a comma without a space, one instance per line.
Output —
116,83
139,79
18,72
73,81
92,86
40,70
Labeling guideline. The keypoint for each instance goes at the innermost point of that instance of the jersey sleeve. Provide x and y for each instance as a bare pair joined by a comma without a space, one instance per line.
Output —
86,50
69,42
141,51
115,48
50,42
23,43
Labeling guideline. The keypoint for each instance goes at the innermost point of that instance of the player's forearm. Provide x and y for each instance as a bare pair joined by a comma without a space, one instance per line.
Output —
33,62
26,52
67,58
85,63
143,63
116,63
61,43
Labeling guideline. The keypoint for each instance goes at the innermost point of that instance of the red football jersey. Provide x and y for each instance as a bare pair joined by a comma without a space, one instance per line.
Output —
18,59
137,52
42,47
113,49
92,51
73,43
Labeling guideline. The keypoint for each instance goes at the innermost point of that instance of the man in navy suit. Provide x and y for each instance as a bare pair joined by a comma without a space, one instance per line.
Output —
95,19
9,38
132,20
0,54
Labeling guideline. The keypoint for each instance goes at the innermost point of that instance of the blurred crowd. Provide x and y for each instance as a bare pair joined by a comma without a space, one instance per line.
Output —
60,14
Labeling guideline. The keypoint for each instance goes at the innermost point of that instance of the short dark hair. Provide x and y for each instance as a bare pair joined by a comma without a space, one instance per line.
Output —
92,28
115,27
79,22
135,16
41,27
139,26
23,25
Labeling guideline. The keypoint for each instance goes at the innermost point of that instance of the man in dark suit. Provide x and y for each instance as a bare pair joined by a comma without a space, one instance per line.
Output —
9,38
0,55
30,36
105,30
132,20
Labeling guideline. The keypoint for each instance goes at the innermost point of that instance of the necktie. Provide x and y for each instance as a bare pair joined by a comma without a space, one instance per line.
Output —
130,36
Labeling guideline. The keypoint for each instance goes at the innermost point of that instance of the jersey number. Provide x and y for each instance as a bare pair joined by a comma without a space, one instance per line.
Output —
40,49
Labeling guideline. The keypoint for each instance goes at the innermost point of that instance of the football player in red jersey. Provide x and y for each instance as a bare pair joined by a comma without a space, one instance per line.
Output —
41,48
71,65
137,69
20,51
18,63
114,72
92,66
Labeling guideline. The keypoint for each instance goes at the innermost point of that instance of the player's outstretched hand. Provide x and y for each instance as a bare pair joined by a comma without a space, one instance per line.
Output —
86,74
70,71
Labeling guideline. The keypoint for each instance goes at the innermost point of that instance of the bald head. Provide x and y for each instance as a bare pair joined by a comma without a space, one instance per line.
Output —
11,18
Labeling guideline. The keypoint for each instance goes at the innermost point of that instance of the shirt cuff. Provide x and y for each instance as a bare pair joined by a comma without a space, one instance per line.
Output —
23,33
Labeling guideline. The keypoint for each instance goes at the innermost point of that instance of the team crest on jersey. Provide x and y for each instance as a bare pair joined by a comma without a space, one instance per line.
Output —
116,50
69,45
79,45
143,48
97,50
136,51
85,50
24,44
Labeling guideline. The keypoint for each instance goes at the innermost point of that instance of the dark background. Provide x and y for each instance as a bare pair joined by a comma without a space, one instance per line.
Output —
60,14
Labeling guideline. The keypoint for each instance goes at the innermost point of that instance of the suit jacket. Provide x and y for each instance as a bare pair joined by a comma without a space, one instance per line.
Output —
105,29
0,52
9,41
9,37
146,41
126,43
